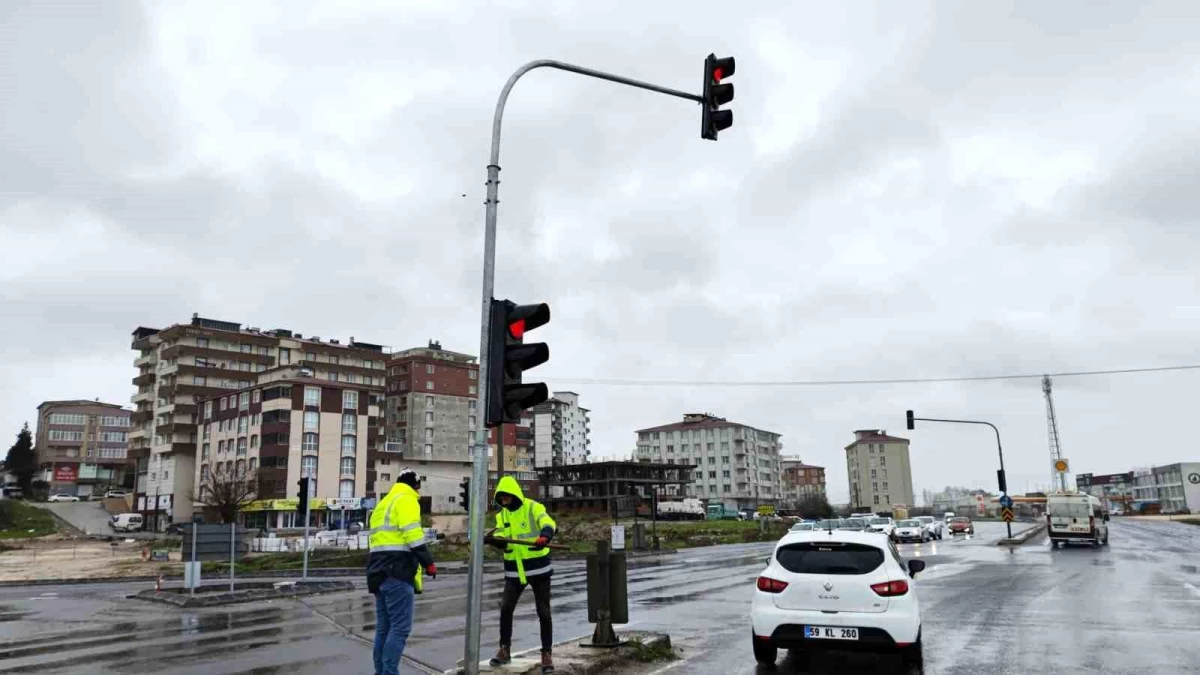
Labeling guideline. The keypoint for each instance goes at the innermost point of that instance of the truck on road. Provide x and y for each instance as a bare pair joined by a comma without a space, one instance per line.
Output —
687,509
721,512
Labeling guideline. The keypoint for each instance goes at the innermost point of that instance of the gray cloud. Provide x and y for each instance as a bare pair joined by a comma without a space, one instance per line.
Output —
927,190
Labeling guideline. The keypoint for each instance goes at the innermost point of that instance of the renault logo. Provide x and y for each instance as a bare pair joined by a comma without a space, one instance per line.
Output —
828,586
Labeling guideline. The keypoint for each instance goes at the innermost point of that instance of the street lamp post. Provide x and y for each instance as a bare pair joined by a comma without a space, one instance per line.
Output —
1000,476
479,469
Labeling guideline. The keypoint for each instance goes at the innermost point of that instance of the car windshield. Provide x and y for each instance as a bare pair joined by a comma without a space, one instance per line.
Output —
829,558
925,519
909,523
879,521
960,519
802,526
853,524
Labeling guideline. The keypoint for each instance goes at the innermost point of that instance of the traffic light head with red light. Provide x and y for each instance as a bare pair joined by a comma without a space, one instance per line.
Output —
509,357
717,93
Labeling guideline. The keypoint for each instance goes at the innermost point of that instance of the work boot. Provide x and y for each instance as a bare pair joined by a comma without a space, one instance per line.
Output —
502,657
547,663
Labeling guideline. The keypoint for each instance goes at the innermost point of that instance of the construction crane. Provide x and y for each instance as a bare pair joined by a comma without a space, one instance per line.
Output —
1052,430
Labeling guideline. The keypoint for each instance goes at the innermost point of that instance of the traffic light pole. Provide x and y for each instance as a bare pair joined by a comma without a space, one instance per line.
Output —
999,449
479,468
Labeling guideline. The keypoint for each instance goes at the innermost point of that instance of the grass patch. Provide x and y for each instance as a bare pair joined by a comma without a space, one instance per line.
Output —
19,520
659,650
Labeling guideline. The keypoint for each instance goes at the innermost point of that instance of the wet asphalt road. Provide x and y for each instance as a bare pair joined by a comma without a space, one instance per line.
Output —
1128,607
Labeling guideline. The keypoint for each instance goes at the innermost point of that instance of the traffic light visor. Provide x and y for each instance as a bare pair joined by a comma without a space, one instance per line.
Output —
722,68
522,318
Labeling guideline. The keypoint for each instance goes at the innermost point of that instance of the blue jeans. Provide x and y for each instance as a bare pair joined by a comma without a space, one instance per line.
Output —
393,623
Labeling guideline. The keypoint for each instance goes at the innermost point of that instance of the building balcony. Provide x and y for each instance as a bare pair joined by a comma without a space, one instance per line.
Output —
142,397
144,379
147,360
141,417
177,350
184,448
394,448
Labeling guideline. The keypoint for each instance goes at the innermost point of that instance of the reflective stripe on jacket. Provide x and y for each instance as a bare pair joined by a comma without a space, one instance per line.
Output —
528,522
396,539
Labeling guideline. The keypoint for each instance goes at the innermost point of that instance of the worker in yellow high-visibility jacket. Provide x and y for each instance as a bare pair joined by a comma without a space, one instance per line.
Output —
524,519
398,553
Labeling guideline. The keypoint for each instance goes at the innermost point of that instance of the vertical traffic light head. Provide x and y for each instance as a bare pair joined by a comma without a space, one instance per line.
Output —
909,414
465,495
509,357
717,93
302,495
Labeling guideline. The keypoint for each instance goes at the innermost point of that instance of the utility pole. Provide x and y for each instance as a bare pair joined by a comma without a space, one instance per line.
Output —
713,120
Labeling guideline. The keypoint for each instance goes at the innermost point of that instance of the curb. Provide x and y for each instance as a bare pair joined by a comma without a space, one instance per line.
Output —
278,574
605,661
1023,537
261,591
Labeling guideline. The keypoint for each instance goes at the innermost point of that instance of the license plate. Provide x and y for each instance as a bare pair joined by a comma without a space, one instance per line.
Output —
830,633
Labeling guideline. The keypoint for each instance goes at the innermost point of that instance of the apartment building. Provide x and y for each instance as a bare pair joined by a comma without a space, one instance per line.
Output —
1174,487
286,426
879,471
430,421
561,431
185,364
82,446
799,481
736,464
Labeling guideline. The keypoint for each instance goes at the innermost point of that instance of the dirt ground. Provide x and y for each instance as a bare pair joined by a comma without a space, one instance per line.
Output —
57,557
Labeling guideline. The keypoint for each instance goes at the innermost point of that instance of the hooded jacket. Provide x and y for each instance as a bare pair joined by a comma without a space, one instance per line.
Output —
397,540
528,521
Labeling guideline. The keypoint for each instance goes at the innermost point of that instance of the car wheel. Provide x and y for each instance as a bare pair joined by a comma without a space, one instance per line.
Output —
764,652
913,656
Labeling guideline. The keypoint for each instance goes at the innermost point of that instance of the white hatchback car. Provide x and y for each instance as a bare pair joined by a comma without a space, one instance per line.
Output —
836,590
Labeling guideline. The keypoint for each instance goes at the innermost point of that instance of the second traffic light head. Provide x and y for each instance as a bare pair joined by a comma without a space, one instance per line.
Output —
717,93
909,414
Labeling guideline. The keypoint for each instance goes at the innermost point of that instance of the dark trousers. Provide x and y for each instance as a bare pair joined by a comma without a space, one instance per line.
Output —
541,598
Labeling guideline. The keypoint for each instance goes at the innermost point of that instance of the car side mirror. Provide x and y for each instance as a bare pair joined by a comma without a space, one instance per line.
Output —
915,566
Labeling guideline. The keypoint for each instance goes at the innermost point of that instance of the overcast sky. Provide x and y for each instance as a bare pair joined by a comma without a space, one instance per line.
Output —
909,190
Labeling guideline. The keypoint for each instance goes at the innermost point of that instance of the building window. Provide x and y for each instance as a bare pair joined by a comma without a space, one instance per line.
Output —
429,448
222,403
333,377
474,375
429,403
241,446
254,441
471,422
429,384
471,404
256,396
246,349
473,390
347,466
351,378
204,451
346,489
349,445
428,368
350,400
428,417
308,467
349,423
243,424
285,356
876,499
312,420
241,467
385,477
202,342
253,464
203,472
208,410
312,396
309,444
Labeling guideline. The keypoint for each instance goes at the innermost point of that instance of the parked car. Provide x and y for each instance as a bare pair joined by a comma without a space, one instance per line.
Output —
62,497
950,515
830,524
116,494
881,525
803,527
961,525
842,590
935,526
910,530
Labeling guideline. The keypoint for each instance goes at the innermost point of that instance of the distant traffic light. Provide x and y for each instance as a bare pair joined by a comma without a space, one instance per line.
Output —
509,357
909,413
302,495
716,94
465,494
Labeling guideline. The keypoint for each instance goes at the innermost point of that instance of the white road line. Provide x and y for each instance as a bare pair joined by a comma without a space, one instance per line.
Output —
1195,591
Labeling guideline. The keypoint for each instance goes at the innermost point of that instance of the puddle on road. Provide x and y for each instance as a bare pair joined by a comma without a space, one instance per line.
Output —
9,613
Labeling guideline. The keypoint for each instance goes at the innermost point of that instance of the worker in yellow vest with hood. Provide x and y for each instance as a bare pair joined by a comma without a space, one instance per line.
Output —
524,519
398,553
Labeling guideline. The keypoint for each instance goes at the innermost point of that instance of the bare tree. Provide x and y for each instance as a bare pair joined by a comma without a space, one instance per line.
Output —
227,493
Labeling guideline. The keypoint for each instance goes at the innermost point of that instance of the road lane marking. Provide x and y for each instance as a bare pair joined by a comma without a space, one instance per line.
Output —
1195,591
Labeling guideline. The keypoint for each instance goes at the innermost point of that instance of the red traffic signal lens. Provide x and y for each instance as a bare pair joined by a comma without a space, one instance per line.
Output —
717,75
517,329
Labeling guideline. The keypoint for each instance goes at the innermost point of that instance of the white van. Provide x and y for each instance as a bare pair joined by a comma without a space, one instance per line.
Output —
126,522
1076,517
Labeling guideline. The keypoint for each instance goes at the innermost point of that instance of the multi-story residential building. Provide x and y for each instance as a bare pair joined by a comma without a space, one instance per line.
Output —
430,422
82,445
799,481
183,364
286,426
561,431
879,470
1174,487
736,464
1116,489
